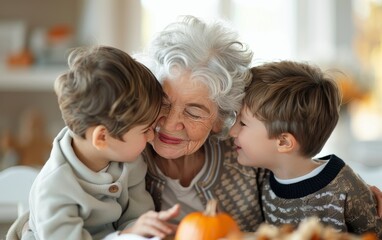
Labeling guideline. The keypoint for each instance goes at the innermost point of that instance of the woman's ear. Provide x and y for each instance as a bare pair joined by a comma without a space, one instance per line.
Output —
99,137
286,142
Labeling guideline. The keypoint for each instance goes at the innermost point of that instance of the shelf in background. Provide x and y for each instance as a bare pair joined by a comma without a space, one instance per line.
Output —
27,79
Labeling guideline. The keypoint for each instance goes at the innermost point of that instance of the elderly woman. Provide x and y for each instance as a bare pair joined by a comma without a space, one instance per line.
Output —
203,70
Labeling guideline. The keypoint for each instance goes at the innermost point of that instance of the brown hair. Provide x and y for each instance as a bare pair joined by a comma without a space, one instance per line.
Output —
296,98
104,85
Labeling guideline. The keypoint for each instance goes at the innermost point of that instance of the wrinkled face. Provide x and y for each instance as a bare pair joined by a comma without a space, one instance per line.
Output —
186,119
251,138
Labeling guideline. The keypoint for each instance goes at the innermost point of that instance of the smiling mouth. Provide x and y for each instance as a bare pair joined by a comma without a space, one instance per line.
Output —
237,147
169,140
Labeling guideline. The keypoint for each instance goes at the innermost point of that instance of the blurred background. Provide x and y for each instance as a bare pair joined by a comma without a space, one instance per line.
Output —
344,36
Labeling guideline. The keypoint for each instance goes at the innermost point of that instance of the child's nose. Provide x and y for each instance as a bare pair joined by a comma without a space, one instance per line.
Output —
234,130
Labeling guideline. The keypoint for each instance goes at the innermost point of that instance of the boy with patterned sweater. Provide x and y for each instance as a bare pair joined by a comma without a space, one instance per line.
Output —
289,111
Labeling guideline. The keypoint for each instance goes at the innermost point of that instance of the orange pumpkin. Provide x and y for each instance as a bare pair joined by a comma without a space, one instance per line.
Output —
208,225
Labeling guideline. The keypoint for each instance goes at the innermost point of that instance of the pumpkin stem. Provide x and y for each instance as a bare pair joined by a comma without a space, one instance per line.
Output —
211,208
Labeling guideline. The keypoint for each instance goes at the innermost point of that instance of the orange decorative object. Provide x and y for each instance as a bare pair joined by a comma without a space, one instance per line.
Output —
350,90
208,225
32,146
59,33
23,58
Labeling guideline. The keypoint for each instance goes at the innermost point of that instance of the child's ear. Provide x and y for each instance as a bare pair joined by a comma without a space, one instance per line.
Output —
99,137
286,142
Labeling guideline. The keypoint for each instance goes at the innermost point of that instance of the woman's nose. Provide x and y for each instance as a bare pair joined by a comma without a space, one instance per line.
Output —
171,120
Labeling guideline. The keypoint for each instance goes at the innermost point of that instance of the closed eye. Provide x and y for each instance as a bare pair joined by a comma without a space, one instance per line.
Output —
192,115
165,107
196,112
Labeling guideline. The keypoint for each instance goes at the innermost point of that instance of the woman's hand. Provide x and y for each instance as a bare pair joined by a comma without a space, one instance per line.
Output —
378,196
155,223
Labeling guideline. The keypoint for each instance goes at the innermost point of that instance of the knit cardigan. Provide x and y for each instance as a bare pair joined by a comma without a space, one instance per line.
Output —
233,185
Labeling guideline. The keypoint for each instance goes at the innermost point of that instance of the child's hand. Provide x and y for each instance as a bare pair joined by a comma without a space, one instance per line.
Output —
155,223
378,196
